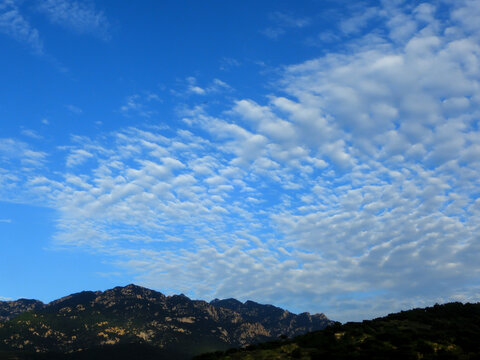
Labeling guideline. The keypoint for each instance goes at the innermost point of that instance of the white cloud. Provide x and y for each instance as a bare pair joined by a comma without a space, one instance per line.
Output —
288,20
12,150
283,21
15,25
391,121
196,90
6,221
359,20
77,157
227,63
31,134
74,109
140,105
81,17
273,33
466,14
215,86
18,162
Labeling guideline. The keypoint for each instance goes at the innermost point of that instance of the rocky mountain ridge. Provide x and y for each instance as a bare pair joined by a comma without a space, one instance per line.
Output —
133,314
10,309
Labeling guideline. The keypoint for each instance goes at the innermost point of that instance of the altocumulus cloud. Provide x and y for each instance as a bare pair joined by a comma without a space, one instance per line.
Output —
79,16
355,192
14,24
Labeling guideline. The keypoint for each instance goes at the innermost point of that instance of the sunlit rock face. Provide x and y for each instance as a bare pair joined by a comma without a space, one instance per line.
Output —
278,321
133,314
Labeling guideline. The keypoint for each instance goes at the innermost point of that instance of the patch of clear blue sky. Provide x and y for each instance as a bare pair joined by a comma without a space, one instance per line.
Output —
31,268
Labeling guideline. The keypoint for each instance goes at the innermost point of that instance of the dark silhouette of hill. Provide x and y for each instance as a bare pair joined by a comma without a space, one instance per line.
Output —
450,331
135,322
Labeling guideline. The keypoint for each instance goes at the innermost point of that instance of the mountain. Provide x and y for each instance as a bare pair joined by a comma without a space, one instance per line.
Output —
449,331
139,320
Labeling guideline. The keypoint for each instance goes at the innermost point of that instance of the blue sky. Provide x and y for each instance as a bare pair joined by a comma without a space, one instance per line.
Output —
322,156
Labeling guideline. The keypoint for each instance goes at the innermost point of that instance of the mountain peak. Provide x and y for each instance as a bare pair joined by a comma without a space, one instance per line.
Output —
135,287
230,303
131,288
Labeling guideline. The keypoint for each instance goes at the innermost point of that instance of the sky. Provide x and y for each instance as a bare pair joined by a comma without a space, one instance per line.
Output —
318,155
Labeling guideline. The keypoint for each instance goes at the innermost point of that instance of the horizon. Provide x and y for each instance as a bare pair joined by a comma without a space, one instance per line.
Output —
321,156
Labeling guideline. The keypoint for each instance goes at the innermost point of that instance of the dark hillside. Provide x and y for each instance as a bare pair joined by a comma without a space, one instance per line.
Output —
450,331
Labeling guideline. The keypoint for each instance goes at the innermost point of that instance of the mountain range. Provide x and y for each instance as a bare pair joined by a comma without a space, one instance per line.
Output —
136,322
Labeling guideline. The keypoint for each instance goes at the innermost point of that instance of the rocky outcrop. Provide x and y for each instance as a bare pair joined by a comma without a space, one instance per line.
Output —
10,309
277,321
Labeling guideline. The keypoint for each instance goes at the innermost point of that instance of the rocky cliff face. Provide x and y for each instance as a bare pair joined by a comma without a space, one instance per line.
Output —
278,321
134,314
